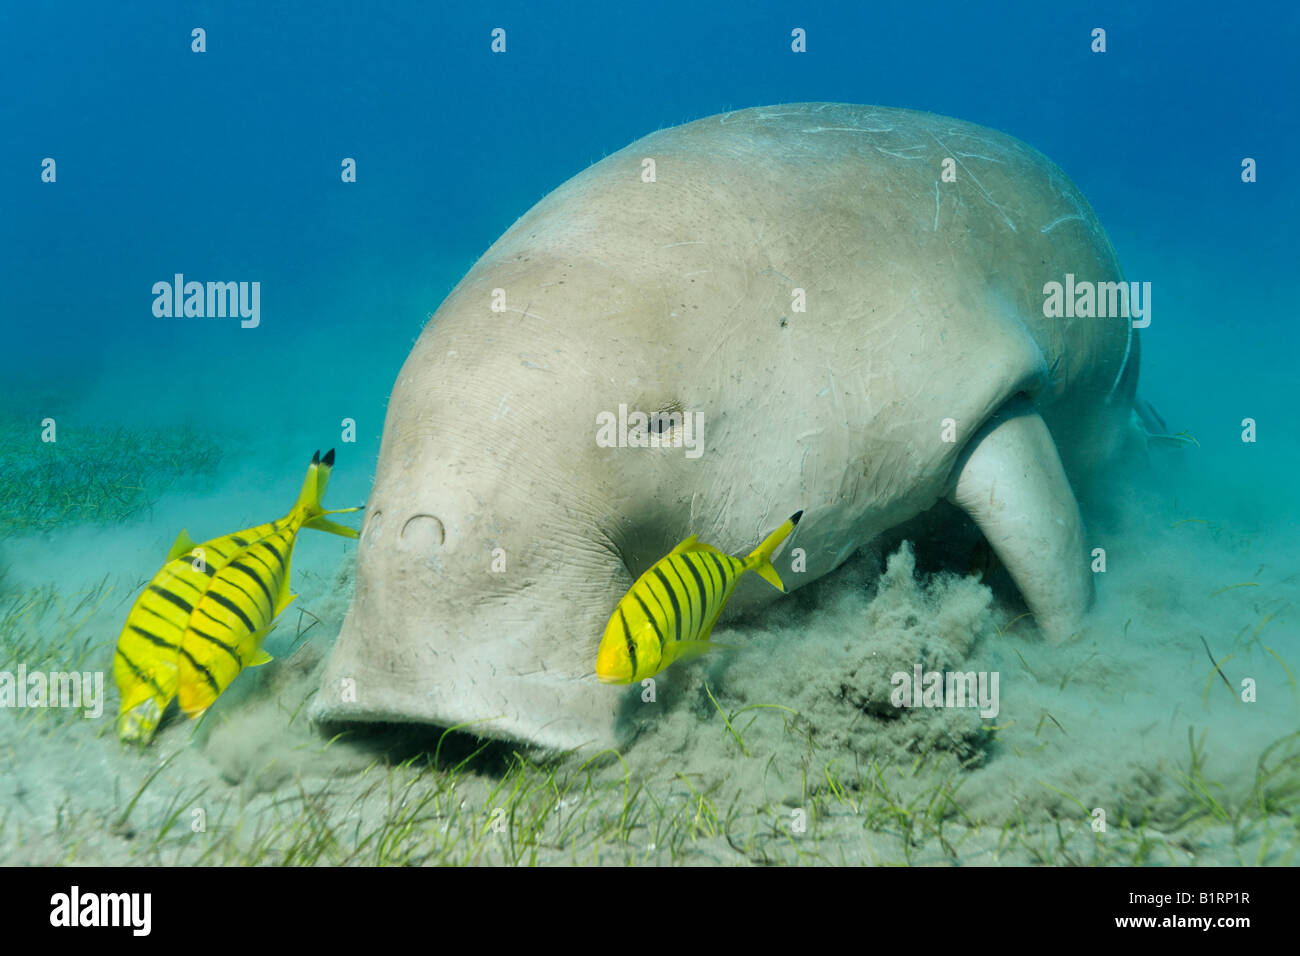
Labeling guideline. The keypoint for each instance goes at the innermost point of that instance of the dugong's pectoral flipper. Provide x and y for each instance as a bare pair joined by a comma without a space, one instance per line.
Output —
1011,482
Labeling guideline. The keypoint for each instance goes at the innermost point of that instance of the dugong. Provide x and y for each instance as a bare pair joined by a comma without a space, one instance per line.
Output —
822,307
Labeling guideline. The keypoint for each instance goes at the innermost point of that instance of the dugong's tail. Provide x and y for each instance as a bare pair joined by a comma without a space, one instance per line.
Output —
1146,428
1153,429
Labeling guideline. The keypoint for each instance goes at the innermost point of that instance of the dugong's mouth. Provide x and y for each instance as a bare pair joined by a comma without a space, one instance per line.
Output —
385,676
440,633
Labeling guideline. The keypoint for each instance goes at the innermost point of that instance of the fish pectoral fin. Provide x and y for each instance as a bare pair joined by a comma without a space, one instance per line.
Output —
689,649
181,546
261,657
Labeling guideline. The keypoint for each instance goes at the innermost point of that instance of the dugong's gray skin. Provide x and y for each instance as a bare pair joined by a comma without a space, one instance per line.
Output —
924,308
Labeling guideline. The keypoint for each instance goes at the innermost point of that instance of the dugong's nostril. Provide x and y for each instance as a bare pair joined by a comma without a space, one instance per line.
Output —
423,532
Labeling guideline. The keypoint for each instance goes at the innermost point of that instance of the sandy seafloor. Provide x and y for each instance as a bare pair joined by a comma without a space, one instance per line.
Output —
812,766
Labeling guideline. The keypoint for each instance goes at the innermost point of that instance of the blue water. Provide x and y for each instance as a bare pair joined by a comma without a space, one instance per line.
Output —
225,166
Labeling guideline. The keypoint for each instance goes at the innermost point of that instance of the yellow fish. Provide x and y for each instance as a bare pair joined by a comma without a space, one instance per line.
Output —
669,612
203,617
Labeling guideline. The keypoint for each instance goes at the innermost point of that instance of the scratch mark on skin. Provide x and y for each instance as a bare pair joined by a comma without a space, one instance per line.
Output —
776,115
1060,219
895,154
1128,347
936,205
988,159
526,312
687,275
688,242
978,184
835,392
849,129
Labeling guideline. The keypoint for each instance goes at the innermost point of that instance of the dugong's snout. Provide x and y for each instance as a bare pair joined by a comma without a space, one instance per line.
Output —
455,624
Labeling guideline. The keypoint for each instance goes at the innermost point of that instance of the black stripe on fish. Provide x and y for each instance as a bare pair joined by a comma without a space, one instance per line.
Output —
180,602
706,571
672,597
180,580
704,595
244,591
659,604
278,556
140,674
703,557
722,572
231,606
686,593
239,541
215,620
627,635
653,623
153,638
270,601
145,607
207,674
262,561
221,644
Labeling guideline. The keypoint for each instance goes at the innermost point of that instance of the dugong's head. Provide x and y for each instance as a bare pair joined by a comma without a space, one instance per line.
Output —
505,522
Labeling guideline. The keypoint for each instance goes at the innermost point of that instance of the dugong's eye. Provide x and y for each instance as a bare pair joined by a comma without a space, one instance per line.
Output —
668,417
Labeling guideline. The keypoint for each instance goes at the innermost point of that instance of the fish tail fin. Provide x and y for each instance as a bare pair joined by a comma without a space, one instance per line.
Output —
760,559
309,499
333,527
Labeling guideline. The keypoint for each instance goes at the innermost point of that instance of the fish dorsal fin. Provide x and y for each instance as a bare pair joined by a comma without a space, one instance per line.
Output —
181,546
693,543
687,545
707,549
